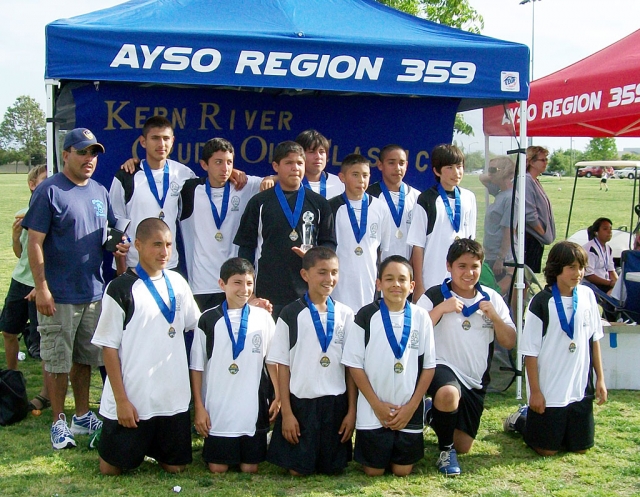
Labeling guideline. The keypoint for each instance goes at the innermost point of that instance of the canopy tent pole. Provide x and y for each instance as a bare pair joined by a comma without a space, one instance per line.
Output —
522,176
50,85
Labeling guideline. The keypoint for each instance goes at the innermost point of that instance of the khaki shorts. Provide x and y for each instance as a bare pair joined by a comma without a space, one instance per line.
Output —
66,337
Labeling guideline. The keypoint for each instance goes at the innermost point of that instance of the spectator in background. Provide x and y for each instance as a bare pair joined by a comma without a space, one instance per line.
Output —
540,229
600,270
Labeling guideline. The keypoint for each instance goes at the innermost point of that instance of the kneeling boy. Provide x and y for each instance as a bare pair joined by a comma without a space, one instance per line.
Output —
317,418
228,378
145,401
467,319
390,355
560,342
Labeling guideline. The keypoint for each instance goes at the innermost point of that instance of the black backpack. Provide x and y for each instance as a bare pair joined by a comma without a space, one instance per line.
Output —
14,403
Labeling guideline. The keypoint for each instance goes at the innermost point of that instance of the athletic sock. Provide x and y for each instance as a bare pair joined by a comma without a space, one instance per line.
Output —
521,424
444,424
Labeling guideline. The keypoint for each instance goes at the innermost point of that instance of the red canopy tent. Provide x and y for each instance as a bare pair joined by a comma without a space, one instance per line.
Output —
598,96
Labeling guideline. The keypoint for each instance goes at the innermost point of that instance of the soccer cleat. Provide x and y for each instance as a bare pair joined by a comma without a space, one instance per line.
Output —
85,425
61,436
448,463
509,424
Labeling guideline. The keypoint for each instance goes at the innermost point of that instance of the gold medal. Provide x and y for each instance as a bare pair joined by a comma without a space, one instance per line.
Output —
399,234
218,237
358,250
233,369
572,347
466,325
161,215
172,332
398,368
293,236
324,361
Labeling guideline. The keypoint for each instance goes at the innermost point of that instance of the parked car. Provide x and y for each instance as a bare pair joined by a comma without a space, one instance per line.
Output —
589,171
627,172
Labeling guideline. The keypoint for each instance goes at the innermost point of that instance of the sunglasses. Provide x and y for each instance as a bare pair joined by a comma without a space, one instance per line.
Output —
92,152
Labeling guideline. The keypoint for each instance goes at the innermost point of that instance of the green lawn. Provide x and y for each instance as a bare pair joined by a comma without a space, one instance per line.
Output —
499,464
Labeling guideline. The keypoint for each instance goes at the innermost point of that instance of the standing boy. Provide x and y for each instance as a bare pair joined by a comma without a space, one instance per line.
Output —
468,318
276,223
316,148
399,198
145,401
231,410
153,190
390,354
313,431
560,342
443,213
362,227
211,211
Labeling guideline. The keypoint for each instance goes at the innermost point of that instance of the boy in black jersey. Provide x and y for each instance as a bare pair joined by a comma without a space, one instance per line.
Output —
313,432
228,380
390,354
276,224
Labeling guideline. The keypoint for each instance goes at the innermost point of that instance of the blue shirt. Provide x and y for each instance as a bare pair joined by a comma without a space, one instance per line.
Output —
74,219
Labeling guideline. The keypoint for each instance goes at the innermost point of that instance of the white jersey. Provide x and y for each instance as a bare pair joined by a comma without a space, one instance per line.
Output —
431,229
206,247
600,259
563,363
152,352
334,186
398,234
312,375
233,401
375,357
131,198
465,344
357,284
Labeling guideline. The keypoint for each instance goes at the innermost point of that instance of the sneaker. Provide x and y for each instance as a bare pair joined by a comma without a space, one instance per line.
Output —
448,463
428,404
85,425
61,436
509,424
95,439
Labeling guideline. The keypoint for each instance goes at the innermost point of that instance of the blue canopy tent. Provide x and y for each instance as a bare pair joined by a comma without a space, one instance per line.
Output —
260,71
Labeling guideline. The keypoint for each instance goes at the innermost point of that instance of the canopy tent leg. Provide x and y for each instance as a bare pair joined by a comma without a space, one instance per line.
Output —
50,85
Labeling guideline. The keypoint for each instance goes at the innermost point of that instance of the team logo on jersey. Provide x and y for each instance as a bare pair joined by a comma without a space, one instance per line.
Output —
256,341
414,339
338,333
178,303
175,189
587,317
487,321
373,230
98,206
235,202
409,215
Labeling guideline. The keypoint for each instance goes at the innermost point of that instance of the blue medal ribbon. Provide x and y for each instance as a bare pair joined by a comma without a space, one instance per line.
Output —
323,184
604,253
292,217
323,338
397,348
218,218
567,327
454,219
152,182
168,311
358,231
238,346
466,311
396,214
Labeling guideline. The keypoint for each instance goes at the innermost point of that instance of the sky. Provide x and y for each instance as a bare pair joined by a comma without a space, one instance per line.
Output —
565,31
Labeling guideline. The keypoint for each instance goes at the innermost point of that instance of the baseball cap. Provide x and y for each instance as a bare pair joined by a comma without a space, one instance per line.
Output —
81,138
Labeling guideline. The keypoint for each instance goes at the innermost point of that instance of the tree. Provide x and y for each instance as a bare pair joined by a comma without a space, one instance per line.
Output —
561,161
630,156
456,13
23,129
601,149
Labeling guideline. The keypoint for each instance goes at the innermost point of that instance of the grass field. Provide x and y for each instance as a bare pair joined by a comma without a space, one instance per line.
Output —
499,464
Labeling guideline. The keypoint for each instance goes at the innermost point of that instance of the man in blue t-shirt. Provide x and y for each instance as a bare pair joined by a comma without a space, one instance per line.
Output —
67,222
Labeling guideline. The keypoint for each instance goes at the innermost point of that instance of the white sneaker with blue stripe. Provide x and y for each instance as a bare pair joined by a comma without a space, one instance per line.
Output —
85,425
61,436
448,463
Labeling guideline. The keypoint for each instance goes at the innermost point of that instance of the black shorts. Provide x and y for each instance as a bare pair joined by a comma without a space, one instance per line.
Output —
319,449
533,251
17,311
571,427
381,447
235,450
207,301
167,439
471,400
